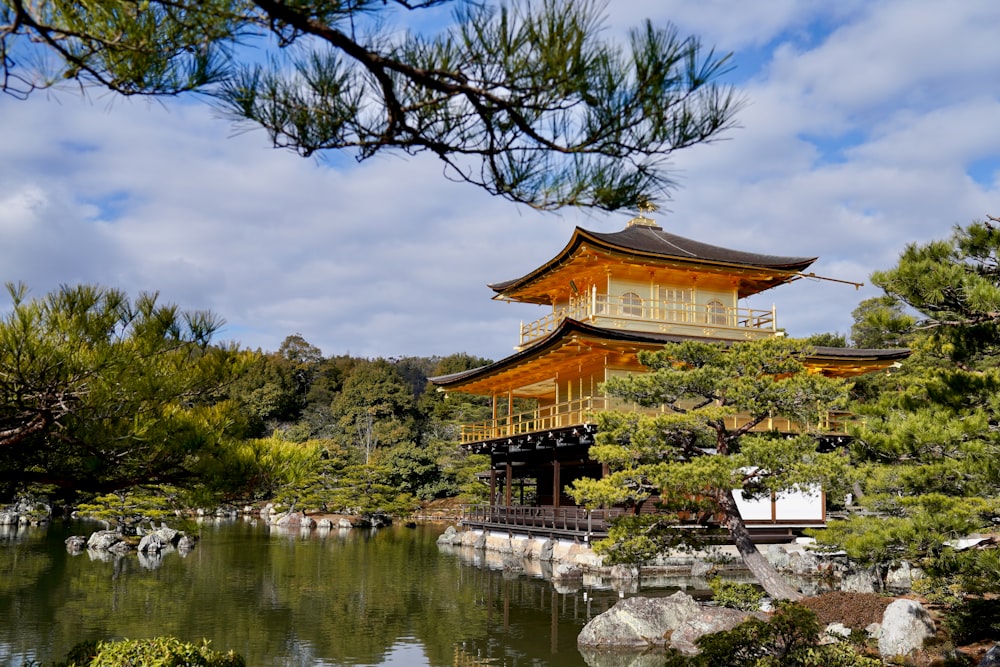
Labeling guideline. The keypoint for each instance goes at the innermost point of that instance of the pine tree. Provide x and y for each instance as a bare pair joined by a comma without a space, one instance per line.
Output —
709,441
530,101
926,450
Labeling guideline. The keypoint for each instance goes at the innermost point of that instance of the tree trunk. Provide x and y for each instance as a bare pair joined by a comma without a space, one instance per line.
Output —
774,584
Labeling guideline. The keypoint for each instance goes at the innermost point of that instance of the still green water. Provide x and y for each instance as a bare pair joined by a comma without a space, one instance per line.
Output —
389,597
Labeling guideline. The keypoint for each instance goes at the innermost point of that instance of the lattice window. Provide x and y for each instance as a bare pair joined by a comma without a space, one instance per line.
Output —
631,304
675,303
717,312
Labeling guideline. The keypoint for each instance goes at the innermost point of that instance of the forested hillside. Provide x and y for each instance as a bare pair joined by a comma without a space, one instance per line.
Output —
108,401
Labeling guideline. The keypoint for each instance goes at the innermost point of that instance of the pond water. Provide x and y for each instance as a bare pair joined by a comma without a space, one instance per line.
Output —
389,597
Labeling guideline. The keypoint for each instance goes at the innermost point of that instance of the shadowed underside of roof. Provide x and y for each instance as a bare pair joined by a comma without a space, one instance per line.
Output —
571,336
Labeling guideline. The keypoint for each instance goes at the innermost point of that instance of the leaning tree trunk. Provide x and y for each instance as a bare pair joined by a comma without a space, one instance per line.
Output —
774,584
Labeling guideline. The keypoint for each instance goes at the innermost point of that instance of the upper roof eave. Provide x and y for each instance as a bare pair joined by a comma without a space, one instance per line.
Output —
654,243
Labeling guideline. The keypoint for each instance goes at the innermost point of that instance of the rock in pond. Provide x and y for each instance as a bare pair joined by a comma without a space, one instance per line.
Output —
638,622
102,540
152,543
186,543
76,543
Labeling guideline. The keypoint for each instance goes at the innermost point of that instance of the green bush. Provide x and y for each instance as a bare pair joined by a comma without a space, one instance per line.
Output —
973,620
155,652
789,639
745,597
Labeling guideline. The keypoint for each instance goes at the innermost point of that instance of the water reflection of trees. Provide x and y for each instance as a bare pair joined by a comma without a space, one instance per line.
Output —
340,597
344,599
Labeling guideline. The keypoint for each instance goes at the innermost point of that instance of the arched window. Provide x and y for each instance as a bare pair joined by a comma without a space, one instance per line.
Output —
716,312
631,304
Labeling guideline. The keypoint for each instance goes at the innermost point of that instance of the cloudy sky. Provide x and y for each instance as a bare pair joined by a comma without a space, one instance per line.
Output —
868,125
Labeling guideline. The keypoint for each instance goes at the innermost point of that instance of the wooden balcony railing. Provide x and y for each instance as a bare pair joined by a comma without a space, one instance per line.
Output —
582,411
646,315
541,520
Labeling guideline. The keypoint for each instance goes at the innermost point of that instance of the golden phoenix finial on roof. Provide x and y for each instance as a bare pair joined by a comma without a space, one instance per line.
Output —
645,206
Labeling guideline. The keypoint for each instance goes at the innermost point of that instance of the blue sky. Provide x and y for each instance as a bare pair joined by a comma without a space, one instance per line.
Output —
868,125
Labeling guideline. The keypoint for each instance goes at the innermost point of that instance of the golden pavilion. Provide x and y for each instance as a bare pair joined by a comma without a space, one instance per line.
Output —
607,297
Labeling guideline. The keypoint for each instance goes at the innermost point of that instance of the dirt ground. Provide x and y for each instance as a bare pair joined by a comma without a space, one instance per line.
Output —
859,610
855,610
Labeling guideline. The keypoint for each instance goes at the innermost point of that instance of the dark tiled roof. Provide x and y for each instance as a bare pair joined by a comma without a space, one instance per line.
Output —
886,354
569,327
654,242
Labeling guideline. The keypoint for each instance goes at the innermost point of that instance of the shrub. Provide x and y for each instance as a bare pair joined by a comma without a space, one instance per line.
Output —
745,597
973,620
789,639
155,652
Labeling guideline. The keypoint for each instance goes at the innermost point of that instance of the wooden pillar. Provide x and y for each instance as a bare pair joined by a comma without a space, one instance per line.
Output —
494,431
510,412
556,492
510,480
493,487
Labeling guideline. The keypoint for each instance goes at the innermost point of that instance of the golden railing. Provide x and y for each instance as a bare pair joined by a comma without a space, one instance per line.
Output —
582,411
649,315
546,418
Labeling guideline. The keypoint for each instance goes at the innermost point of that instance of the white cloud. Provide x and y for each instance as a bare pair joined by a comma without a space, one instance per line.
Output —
864,121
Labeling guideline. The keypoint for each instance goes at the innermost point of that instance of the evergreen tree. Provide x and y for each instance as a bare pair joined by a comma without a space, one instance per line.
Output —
267,392
706,444
827,340
927,448
955,286
374,409
99,393
880,322
527,100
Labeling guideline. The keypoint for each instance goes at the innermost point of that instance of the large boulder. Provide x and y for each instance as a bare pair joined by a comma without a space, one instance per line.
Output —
707,621
120,548
901,578
289,518
861,581
624,572
152,543
447,537
905,626
803,563
168,535
566,571
701,568
638,622
102,540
